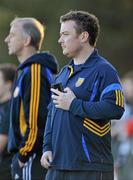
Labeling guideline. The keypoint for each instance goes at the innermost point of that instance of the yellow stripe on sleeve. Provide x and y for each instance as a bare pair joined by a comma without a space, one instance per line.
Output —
122,99
119,98
116,92
34,106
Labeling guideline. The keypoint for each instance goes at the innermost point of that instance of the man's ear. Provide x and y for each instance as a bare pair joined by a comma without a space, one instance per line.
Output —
27,41
84,36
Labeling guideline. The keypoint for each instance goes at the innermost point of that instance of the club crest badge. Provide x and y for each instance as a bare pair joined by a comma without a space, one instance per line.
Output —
79,82
16,92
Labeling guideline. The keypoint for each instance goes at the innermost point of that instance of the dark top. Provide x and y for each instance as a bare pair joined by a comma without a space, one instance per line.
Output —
80,138
5,157
31,96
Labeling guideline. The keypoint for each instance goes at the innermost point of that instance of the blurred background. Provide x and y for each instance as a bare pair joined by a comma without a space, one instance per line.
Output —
116,20
115,43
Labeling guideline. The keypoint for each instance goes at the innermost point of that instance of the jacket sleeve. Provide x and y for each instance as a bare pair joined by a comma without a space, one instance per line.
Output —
33,111
96,110
110,104
47,144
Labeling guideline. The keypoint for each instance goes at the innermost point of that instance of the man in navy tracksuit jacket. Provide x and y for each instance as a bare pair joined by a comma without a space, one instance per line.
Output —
30,98
77,139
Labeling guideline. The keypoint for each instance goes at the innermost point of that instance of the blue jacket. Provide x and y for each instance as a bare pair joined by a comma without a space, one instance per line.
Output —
80,139
30,98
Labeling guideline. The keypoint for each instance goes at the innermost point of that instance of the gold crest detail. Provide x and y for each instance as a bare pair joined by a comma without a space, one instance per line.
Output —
79,82
16,92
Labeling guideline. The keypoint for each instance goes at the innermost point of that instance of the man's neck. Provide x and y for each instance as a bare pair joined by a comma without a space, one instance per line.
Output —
83,55
23,56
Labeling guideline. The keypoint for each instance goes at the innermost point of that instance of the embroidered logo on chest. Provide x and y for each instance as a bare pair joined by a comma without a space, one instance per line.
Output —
79,82
16,92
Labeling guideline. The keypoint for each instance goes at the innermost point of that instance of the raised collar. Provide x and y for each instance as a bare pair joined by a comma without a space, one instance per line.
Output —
89,62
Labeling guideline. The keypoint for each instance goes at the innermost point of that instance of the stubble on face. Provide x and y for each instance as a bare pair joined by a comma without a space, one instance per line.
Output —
69,40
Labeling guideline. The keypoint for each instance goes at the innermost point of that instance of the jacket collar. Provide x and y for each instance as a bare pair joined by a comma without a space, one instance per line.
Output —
89,62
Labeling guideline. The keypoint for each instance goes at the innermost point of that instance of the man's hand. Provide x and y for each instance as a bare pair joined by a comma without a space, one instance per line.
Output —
64,99
46,159
20,163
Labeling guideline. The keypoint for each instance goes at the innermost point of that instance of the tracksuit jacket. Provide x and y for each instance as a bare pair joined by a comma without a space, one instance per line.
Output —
30,98
80,138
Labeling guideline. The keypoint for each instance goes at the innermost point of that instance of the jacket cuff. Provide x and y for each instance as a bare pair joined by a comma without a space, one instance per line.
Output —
75,106
23,159
47,148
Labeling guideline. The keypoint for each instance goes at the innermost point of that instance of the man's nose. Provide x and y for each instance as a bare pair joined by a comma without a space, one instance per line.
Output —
60,40
6,39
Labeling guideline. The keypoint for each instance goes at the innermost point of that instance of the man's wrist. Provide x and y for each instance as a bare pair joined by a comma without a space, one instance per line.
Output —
23,159
21,164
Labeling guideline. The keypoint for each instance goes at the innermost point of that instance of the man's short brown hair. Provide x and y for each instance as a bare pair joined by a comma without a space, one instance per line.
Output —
85,22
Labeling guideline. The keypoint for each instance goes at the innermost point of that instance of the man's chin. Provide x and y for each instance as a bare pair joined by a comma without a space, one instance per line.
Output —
67,54
10,53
